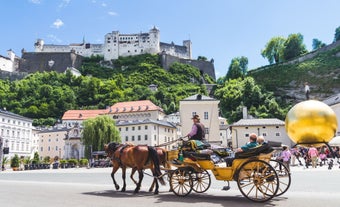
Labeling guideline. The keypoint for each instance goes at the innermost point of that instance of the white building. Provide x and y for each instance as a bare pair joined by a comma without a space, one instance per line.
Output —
116,45
207,109
16,131
9,63
334,103
270,129
148,132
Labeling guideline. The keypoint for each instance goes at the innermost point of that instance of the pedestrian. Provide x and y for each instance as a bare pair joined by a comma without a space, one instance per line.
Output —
313,155
307,90
286,155
198,130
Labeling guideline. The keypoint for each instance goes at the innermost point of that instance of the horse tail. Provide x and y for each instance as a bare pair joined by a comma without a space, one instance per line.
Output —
154,156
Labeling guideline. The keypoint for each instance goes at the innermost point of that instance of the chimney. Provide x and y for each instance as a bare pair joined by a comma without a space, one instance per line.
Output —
245,112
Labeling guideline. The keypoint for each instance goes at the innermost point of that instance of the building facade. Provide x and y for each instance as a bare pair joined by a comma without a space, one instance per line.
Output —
148,132
334,103
52,142
16,132
207,109
270,129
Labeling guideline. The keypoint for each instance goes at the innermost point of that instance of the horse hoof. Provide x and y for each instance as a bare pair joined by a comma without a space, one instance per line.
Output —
117,187
156,193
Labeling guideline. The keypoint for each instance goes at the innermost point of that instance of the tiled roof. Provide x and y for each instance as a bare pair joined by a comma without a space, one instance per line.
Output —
83,114
134,106
332,100
121,107
8,113
258,122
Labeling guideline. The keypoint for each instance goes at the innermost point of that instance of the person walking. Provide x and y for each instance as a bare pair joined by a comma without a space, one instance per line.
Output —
286,155
313,154
307,90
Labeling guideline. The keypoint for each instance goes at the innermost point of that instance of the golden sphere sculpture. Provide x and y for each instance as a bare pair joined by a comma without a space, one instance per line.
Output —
311,122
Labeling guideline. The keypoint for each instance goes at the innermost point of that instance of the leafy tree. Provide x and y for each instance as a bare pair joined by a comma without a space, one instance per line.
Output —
317,44
337,34
202,58
273,50
99,131
293,46
238,68
237,93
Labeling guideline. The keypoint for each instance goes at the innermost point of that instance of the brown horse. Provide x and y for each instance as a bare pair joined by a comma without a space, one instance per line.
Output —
129,156
162,156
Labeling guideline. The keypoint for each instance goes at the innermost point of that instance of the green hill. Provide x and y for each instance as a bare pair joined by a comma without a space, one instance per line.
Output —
321,69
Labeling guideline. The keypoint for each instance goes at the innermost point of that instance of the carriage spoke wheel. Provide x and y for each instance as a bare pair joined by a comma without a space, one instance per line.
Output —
258,180
181,182
201,181
284,176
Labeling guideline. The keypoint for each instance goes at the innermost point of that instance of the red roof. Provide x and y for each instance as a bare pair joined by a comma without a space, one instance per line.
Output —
83,114
133,106
121,107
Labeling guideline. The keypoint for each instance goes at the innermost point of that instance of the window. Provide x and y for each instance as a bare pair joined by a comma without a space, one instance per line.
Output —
154,137
146,137
206,130
206,116
133,138
139,137
56,148
246,135
164,139
139,127
146,127
120,129
277,134
126,138
264,134
133,128
126,128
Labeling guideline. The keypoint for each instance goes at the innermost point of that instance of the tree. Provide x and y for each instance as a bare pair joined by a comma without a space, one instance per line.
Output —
273,50
238,68
317,44
99,131
293,46
202,58
337,34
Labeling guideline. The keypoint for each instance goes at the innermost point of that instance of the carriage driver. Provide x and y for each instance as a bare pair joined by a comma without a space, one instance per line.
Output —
197,131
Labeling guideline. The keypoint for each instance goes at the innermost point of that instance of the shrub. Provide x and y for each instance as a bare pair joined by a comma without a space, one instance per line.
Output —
15,161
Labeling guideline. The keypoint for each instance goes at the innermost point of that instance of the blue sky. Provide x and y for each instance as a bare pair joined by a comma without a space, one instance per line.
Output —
218,29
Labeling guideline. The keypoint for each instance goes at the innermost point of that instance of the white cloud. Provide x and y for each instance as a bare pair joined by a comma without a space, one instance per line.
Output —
57,23
54,38
111,13
35,1
64,3
104,4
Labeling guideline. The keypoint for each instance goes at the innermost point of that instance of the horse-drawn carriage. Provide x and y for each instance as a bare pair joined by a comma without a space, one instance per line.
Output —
258,176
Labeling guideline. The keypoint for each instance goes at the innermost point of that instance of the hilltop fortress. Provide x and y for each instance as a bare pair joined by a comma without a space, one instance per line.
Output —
116,45
50,57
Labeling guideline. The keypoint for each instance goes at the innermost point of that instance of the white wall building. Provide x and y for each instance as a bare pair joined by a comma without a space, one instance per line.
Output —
207,109
148,132
16,132
334,103
8,63
271,129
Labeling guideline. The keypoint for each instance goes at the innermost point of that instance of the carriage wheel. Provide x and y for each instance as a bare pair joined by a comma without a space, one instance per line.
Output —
201,181
257,180
284,176
181,182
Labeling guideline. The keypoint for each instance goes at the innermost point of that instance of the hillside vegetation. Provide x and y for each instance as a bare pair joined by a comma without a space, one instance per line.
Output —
286,80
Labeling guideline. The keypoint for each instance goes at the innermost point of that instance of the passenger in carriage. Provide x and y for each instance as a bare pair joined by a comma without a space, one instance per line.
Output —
260,140
251,144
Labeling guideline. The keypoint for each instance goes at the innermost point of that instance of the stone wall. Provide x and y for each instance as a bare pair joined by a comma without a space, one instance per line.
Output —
204,66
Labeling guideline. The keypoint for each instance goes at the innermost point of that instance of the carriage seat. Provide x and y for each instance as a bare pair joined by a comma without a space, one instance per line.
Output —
196,155
262,149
